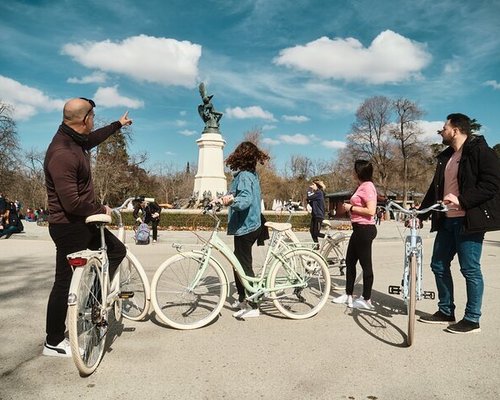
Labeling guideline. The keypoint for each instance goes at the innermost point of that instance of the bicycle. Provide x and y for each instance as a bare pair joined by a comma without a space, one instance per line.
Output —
332,247
92,294
411,284
189,289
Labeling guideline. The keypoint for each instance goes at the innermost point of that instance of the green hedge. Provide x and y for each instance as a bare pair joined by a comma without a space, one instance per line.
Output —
192,219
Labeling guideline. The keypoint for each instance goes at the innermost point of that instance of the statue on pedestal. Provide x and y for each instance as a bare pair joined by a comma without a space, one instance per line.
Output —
207,111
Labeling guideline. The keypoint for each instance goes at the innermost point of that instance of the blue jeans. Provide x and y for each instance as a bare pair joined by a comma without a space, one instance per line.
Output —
451,240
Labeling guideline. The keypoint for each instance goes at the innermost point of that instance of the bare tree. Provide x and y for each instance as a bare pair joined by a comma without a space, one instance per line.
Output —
9,148
370,138
406,132
34,192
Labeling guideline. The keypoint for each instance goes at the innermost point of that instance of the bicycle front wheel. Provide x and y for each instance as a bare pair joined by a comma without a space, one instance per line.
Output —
135,285
412,299
300,283
186,294
87,326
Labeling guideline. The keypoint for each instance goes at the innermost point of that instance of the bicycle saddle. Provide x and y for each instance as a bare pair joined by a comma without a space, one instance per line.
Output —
279,226
105,218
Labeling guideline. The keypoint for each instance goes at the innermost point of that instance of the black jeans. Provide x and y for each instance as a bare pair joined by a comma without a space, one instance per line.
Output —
360,249
243,252
315,229
69,238
154,228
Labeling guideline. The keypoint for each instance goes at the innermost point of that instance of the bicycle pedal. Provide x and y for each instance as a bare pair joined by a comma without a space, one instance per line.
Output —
126,295
394,289
429,295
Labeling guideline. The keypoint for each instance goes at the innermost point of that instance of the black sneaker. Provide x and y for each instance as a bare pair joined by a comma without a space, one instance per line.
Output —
464,326
437,318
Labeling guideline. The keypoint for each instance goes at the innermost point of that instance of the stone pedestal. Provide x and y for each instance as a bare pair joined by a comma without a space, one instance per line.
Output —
210,179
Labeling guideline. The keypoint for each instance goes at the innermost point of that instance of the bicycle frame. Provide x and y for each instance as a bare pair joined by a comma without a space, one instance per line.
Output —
255,285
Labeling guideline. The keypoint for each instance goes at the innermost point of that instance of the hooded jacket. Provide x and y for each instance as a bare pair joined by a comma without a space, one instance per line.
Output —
479,186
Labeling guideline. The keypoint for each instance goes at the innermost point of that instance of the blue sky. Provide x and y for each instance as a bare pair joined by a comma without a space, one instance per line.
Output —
296,69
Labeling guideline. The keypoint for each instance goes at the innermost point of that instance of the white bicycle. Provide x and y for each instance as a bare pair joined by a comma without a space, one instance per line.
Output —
92,295
411,287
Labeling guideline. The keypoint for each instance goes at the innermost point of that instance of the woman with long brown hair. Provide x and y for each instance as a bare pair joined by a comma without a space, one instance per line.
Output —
244,216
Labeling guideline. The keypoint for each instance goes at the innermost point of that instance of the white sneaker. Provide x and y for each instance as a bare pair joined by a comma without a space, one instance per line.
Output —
363,304
247,313
239,305
63,349
344,299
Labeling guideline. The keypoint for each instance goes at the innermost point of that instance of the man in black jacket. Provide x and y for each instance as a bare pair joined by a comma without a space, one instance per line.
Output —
71,197
467,179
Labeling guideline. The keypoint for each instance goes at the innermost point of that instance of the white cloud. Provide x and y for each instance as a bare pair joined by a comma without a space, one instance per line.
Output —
429,129
268,127
295,118
389,58
96,77
27,101
298,138
187,132
333,144
182,113
144,58
249,112
271,142
494,84
109,97
180,123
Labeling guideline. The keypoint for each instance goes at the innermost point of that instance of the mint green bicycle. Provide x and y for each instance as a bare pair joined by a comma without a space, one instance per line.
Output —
189,289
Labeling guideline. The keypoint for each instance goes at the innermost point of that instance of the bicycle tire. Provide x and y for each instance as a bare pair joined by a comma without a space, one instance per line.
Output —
87,332
334,252
179,306
134,279
290,269
412,299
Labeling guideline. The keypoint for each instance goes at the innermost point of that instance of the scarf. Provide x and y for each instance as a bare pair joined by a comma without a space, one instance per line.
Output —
77,137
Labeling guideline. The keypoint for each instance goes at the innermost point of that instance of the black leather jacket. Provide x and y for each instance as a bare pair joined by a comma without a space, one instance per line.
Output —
479,185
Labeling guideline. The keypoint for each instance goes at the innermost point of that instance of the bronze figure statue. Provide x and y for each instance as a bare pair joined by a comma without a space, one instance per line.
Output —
207,111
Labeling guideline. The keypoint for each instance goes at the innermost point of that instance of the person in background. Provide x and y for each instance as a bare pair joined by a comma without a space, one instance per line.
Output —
150,214
316,199
71,199
244,216
10,222
362,207
467,179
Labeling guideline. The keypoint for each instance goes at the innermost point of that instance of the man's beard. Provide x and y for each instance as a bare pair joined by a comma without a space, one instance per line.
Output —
446,142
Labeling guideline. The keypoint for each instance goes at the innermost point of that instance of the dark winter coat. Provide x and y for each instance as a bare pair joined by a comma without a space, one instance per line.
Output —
479,185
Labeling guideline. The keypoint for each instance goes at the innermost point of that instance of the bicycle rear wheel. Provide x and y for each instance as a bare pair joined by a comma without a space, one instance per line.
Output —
187,295
334,251
134,282
87,327
412,298
300,283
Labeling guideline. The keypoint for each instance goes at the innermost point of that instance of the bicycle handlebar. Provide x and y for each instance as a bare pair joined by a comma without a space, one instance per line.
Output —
129,200
291,206
413,212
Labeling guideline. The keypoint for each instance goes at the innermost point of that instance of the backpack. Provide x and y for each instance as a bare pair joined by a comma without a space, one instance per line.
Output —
142,234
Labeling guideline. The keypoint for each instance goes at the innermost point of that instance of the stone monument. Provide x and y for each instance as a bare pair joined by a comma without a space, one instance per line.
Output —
209,181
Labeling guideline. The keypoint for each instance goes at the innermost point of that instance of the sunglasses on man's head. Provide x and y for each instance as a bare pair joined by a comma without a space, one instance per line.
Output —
91,102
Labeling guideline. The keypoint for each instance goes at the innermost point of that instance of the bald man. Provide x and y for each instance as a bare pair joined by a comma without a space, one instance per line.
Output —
71,199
